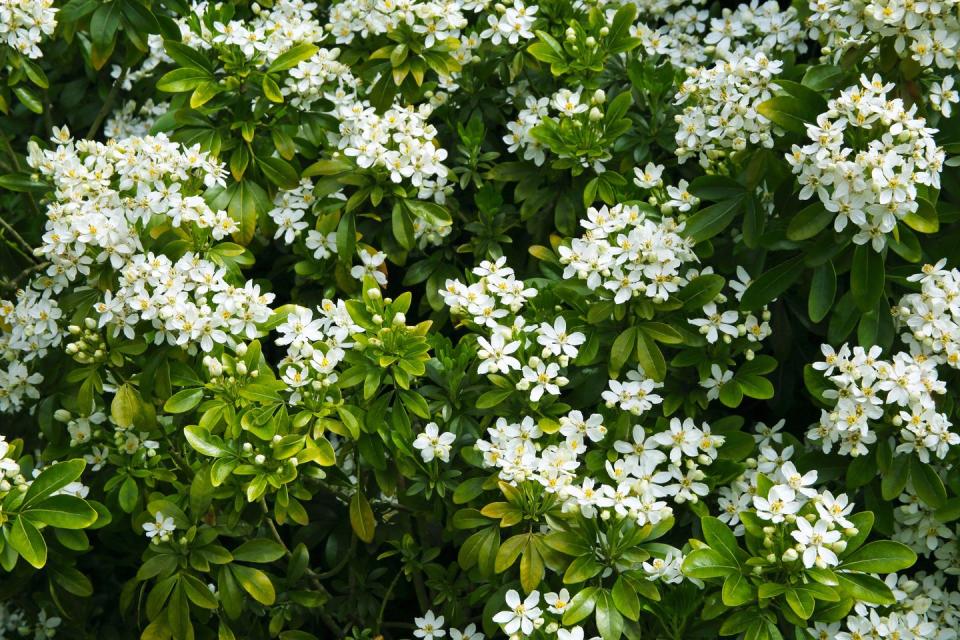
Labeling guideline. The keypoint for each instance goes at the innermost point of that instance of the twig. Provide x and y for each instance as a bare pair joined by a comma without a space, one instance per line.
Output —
107,104
19,239
12,284
33,203
386,598
324,616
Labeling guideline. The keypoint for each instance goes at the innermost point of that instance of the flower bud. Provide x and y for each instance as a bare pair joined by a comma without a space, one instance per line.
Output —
790,555
260,458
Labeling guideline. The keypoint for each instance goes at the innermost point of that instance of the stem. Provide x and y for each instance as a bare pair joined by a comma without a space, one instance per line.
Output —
386,597
33,203
107,104
324,616
12,284
19,240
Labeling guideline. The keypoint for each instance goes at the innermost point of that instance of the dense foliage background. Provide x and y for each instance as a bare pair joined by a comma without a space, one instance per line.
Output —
421,318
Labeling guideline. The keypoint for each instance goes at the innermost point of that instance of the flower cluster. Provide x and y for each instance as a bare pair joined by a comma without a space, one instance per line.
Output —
925,608
187,303
315,346
688,35
131,120
628,253
719,113
566,107
106,194
877,182
400,141
927,32
930,318
24,23
869,390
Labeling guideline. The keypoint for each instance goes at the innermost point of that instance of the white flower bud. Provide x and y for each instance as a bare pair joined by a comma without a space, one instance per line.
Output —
260,458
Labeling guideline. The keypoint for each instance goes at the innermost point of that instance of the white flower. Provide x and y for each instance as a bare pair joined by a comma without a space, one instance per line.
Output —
815,539
780,501
545,378
433,444
557,602
716,380
716,323
555,340
160,528
429,627
521,613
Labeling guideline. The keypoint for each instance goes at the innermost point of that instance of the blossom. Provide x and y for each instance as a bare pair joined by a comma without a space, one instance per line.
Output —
520,614
433,444
815,540
557,341
780,502
429,627
160,528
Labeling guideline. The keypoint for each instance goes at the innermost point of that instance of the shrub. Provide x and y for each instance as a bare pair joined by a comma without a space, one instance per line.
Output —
391,319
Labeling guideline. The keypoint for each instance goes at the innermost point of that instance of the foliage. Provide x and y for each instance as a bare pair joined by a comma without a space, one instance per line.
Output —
572,319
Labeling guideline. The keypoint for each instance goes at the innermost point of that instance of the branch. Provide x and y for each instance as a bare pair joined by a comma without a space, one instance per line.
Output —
324,616
107,105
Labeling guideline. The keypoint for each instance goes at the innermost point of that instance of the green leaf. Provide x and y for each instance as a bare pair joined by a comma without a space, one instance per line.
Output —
801,602
125,406
197,592
924,219
895,479
183,401
493,398
180,80
271,89
52,479
72,581
809,222
63,511
128,494
279,172
254,582
346,237
700,291
245,199
650,357
927,483
581,606
771,283
823,290
105,22
27,540
716,188
710,221
608,619
28,99
201,440
622,348
402,227
624,595
866,588
22,182
186,56
293,56
737,590
882,556
531,566
787,112
581,569
258,550
721,539
866,277
361,517
204,92
707,563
